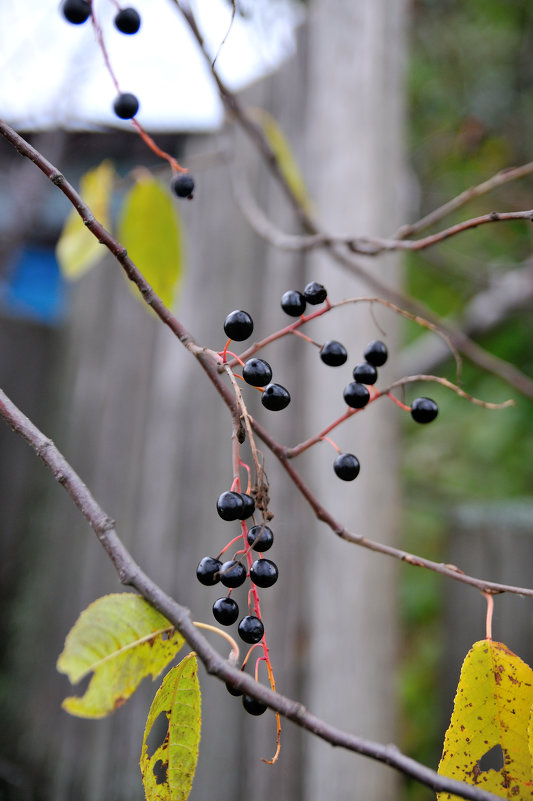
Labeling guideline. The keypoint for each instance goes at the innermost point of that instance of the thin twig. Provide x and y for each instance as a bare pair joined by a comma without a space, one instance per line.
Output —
501,177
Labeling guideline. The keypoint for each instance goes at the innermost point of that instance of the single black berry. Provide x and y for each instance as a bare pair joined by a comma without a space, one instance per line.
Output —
232,574
424,410
260,538
253,706
293,303
356,395
346,466
225,611
230,505
315,293
233,690
264,573
376,353
333,353
128,20
275,397
207,571
126,106
257,372
238,325
76,11
183,185
248,506
365,373
250,629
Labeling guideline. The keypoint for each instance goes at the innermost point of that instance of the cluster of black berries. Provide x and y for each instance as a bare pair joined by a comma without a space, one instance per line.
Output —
263,573
238,326
126,104
127,20
294,303
356,395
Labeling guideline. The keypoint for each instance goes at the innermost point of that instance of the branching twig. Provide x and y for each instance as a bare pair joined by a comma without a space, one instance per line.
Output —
501,177
132,575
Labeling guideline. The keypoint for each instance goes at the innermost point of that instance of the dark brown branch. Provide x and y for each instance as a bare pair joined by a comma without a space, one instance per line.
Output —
132,575
451,571
210,368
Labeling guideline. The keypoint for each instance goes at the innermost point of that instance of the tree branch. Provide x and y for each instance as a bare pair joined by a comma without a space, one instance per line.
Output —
131,574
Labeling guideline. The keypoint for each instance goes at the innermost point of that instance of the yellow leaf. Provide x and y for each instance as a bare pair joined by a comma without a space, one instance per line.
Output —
168,772
284,155
487,741
150,230
121,639
77,249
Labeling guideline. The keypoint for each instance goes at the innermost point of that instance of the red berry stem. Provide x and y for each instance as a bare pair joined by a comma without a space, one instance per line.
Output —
398,402
327,439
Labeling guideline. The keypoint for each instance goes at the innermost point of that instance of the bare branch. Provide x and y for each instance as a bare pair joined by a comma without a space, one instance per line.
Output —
131,574
501,177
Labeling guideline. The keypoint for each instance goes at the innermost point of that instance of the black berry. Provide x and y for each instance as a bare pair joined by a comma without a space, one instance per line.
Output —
225,611
264,573
230,505
250,629
232,574
76,11
333,353
315,293
376,353
233,690
248,506
253,706
346,466
257,372
128,20
207,571
424,410
365,373
126,106
275,397
238,325
293,303
260,538
356,395
183,185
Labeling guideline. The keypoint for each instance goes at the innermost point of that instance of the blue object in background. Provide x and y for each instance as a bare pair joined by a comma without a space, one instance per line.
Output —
33,287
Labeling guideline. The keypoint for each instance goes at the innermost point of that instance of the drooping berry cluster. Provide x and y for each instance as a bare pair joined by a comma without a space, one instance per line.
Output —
238,326
232,573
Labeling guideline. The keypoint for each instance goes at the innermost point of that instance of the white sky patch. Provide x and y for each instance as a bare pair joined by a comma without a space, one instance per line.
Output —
54,76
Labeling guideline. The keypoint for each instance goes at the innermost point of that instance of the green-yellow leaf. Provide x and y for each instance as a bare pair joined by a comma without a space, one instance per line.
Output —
489,724
121,639
77,249
284,155
150,230
168,772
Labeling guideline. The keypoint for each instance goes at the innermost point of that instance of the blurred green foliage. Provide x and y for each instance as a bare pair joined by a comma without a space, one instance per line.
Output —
470,83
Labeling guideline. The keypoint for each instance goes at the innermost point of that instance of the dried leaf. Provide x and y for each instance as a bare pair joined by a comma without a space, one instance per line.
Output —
284,155
121,639
77,249
168,773
487,741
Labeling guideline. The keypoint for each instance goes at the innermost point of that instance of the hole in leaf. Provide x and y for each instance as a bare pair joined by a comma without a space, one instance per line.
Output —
160,771
157,735
494,759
